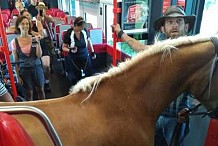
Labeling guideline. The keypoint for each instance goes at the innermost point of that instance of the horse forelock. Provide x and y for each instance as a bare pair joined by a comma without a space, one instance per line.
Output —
90,84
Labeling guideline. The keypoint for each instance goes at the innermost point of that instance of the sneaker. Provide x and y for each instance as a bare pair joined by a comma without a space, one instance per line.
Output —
47,87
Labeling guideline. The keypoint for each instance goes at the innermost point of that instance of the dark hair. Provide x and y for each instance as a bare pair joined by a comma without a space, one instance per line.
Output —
79,21
23,11
19,20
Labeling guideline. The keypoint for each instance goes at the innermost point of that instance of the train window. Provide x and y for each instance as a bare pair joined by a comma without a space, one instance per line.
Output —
109,22
166,4
92,19
76,7
208,25
181,3
135,16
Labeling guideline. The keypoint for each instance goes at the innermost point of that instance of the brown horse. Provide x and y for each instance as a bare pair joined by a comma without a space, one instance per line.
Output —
120,107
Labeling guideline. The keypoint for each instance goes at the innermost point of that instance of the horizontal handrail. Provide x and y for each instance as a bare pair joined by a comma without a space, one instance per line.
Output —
38,114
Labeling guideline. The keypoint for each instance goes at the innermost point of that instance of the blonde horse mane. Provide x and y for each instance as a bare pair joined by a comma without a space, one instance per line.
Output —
90,84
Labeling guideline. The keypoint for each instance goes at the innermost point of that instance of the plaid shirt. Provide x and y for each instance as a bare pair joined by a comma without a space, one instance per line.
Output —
182,101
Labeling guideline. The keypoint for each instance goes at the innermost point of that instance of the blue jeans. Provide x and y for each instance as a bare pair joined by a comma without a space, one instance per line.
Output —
75,63
32,76
164,131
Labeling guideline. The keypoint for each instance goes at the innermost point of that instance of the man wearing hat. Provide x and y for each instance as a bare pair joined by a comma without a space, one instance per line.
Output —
173,24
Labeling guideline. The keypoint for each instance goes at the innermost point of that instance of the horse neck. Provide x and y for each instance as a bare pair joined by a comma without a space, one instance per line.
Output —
200,68
151,84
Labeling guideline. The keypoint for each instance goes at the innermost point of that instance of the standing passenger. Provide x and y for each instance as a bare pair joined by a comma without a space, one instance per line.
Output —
32,8
27,50
47,42
76,42
36,26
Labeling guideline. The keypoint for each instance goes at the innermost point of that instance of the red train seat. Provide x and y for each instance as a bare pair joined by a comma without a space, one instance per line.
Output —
49,13
60,14
63,53
212,133
7,11
12,133
58,31
5,19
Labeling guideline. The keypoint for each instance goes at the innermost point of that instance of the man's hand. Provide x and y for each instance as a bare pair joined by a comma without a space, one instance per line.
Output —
116,28
183,115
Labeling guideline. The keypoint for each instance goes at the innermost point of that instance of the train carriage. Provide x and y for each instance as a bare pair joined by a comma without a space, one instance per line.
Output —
136,18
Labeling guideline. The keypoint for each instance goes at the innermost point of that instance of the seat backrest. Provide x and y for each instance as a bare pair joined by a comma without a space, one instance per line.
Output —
50,13
70,19
62,38
88,26
97,36
14,12
57,22
58,29
10,37
7,11
5,19
12,133
60,14
62,27
54,9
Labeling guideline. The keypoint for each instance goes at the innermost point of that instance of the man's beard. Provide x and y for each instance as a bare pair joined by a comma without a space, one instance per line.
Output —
177,34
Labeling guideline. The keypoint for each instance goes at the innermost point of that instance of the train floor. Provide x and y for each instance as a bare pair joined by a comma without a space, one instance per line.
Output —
59,83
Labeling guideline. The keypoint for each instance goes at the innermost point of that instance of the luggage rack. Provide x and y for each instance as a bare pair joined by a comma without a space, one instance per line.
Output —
14,110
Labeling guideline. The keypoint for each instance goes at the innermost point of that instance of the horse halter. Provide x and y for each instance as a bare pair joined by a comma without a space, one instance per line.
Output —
211,113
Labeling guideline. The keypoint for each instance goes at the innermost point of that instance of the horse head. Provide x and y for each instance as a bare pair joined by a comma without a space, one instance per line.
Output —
210,94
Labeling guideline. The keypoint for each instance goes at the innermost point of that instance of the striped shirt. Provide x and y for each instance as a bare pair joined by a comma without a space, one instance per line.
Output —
3,90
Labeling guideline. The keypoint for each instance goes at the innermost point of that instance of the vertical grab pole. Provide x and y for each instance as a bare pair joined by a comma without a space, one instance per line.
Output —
116,11
4,48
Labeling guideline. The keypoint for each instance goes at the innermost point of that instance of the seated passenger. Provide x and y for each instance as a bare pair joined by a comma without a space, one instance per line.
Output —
76,42
5,96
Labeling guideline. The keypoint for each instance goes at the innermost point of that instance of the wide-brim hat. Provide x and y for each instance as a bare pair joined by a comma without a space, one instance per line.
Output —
174,12
41,6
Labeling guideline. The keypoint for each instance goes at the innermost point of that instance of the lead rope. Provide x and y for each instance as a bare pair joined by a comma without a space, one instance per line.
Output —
82,70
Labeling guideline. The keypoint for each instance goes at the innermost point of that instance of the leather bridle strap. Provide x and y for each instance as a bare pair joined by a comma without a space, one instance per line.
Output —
215,42
213,113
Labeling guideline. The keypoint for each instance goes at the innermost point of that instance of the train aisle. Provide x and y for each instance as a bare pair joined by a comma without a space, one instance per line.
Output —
58,82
